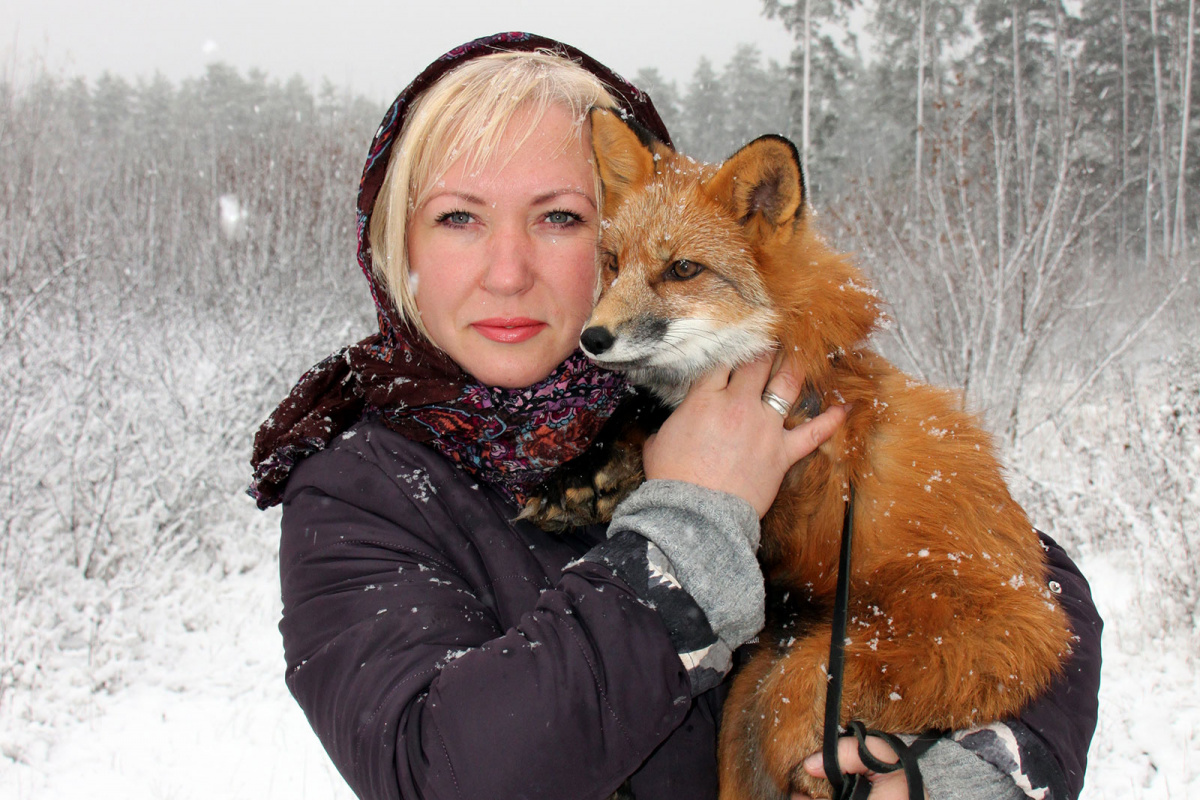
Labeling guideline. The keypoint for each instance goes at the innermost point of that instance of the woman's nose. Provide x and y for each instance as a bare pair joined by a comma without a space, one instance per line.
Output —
510,261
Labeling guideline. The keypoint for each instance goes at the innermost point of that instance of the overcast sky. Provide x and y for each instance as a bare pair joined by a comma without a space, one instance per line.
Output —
373,47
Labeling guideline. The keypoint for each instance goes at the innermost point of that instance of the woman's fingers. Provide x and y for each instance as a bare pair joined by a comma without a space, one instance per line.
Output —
888,786
751,376
848,757
808,436
778,394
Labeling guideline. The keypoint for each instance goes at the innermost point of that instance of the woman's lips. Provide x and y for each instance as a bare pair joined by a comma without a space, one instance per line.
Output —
508,330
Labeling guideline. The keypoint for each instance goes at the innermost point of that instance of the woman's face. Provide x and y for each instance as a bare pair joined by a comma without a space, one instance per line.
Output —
502,259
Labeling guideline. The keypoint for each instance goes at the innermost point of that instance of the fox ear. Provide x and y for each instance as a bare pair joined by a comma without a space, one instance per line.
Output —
763,178
624,154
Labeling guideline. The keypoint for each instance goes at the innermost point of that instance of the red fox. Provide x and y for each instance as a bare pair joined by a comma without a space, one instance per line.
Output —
951,621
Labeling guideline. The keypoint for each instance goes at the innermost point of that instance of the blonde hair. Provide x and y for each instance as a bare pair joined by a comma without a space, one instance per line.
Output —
466,113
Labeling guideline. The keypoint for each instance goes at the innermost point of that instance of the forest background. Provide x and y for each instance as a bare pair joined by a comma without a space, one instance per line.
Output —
1016,177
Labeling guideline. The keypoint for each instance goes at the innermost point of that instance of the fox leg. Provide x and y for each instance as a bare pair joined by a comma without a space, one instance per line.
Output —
774,715
930,662
588,489
950,657
740,753
787,713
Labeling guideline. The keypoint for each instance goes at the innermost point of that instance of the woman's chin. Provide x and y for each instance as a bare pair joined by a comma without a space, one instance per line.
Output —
512,366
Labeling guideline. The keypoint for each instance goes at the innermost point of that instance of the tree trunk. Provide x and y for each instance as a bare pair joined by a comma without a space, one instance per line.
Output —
1181,193
1124,127
804,124
1161,130
1147,218
920,145
1018,117
1000,276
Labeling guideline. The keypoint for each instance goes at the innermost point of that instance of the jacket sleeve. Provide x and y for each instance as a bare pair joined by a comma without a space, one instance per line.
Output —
1045,750
710,594
409,680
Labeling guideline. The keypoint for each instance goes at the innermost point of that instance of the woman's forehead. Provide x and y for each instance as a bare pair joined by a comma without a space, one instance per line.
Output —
535,145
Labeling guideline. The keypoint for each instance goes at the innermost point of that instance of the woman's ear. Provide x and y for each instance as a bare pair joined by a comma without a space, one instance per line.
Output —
763,180
625,154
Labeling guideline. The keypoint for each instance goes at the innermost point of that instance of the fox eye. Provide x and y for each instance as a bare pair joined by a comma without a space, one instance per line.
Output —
684,270
610,263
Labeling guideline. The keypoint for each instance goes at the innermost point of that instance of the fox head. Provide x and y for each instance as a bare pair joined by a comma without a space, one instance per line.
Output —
705,265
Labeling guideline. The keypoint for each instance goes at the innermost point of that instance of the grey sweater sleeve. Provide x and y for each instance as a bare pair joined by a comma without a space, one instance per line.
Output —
689,553
711,540
952,772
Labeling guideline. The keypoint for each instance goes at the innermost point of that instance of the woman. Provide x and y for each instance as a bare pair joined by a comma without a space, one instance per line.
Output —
441,649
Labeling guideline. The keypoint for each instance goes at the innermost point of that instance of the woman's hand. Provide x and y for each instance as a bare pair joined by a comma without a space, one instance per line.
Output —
723,436
888,786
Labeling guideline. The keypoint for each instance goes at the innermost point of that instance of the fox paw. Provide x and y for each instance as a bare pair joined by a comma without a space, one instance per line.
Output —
584,493
587,489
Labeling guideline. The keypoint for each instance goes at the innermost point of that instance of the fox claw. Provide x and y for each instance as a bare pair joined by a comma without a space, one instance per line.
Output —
586,492
588,489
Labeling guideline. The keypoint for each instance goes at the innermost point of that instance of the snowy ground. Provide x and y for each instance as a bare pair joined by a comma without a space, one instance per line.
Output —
209,716
1147,744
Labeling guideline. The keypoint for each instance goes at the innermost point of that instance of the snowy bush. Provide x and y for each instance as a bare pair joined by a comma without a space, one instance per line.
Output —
1120,476
142,340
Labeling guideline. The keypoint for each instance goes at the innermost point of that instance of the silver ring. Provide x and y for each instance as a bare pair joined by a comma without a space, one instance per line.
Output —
776,402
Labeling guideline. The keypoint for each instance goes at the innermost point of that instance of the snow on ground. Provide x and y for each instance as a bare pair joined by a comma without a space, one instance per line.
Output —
210,718
200,711
1147,744
207,741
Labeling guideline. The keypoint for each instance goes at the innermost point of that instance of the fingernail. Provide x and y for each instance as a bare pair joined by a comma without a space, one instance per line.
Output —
812,762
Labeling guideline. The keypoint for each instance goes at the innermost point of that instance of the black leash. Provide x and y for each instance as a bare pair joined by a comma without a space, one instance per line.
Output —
842,784
856,786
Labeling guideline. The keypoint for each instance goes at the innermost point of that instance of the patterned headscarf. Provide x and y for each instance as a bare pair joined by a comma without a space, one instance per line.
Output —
510,438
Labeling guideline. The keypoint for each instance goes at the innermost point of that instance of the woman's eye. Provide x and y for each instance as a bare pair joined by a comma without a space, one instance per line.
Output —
684,270
455,218
563,217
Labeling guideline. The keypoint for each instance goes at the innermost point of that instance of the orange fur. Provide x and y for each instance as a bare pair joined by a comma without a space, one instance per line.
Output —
951,622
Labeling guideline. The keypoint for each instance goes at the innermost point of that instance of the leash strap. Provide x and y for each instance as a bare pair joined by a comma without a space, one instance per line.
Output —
906,759
858,787
837,659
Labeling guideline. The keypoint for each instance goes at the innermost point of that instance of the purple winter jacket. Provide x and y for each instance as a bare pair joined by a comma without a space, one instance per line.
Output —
441,650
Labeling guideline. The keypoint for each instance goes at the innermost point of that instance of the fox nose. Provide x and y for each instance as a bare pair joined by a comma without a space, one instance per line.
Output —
596,340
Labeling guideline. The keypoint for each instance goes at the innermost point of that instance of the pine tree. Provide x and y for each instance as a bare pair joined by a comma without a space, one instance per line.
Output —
825,51
757,97
705,119
665,97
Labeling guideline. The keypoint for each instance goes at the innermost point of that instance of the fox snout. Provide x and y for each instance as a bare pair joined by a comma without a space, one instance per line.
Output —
596,340
624,343
644,348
